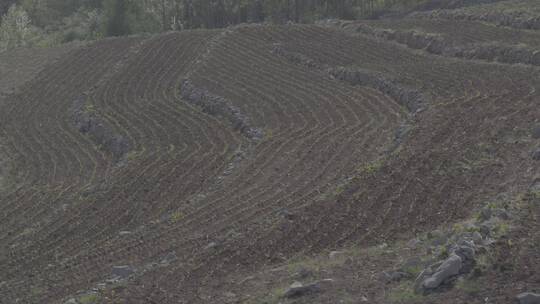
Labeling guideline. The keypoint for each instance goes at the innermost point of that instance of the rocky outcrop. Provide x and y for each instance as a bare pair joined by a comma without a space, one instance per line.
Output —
460,261
219,106
88,121
432,279
460,246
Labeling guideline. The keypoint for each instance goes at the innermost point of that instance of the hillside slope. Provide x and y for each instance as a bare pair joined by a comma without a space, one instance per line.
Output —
172,168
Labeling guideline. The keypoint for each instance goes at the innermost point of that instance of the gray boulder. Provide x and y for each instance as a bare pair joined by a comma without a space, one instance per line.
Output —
528,298
211,245
450,267
122,271
298,290
465,249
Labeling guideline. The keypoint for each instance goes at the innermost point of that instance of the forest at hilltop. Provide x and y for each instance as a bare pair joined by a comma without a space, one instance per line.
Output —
51,22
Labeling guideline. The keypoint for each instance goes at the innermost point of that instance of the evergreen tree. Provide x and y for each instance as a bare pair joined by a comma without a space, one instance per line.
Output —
116,20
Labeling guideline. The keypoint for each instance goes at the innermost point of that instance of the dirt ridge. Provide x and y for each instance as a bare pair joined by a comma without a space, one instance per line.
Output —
436,44
515,20
219,106
88,121
413,100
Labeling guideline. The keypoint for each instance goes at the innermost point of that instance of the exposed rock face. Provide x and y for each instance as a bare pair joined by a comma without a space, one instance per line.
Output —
219,106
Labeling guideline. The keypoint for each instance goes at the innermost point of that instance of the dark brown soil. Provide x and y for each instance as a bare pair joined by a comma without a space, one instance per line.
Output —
194,206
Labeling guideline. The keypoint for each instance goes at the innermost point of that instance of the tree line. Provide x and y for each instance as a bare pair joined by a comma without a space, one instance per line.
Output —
67,20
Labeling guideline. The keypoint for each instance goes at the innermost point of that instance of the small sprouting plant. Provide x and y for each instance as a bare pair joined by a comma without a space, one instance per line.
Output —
177,216
372,167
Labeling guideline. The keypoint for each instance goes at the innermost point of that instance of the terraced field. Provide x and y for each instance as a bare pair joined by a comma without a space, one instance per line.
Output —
192,157
520,14
18,66
463,32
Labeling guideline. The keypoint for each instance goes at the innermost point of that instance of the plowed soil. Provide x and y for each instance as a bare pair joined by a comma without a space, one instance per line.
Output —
195,202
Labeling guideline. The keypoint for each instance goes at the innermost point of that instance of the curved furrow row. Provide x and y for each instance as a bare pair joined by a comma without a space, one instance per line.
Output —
54,90
392,214
442,75
58,110
306,198
107,55
39,92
